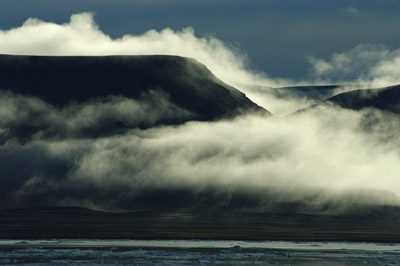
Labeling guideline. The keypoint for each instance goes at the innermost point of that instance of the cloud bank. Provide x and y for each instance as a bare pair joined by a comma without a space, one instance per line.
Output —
326,156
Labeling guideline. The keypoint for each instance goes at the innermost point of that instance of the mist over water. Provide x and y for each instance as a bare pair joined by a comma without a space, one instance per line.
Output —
325,158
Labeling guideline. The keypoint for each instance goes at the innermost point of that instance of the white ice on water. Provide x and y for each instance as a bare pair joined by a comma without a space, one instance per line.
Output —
194,252
221,244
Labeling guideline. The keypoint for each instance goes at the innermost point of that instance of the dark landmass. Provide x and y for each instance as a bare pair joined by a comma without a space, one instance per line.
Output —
62,80
154,212
311,92
385,99
74,222
310,88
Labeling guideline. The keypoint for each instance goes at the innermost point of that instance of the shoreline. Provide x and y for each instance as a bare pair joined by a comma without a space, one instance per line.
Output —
236,245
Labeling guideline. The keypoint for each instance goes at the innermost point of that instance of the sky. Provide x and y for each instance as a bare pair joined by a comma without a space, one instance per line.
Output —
277,37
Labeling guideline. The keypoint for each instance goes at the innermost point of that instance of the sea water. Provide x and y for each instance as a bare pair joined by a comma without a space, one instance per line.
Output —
195,252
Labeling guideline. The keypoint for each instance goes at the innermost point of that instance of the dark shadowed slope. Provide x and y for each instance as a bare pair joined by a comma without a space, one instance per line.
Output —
60,80
311,92
385,99
70,222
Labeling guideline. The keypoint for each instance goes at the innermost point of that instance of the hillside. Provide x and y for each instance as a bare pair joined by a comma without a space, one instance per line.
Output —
61,80
71,222
386,99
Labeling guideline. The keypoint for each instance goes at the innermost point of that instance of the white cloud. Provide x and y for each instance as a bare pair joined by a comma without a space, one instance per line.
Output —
81,36
325,150
372,65
351,10
84,119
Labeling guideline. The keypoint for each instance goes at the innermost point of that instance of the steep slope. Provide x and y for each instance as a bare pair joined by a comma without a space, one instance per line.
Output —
92,96
60,80
386,99
310,92
282,101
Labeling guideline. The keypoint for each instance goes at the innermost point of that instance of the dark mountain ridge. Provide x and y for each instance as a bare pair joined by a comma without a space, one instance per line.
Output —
60,80
385,99
312,92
